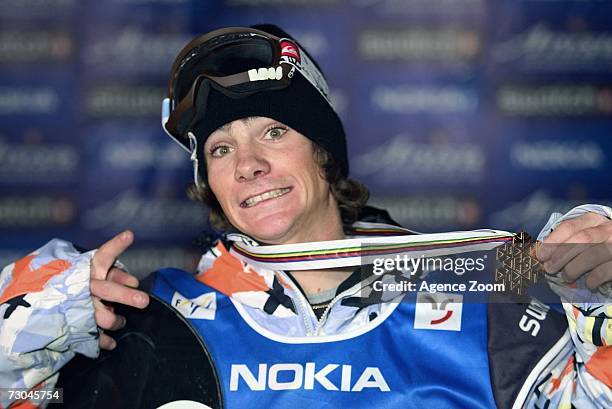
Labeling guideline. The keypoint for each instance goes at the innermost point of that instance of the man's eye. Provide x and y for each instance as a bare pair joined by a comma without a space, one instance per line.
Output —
275,133
219,151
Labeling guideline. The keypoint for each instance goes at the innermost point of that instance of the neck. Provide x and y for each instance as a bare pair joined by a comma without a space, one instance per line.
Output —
316,281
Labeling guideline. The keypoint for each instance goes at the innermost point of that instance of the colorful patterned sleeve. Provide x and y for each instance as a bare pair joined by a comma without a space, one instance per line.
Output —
581,374
46,316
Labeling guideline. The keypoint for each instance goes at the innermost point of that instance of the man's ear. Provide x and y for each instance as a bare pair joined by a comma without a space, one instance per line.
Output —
319,160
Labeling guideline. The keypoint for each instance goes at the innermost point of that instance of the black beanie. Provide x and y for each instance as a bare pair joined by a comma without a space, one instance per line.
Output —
299,106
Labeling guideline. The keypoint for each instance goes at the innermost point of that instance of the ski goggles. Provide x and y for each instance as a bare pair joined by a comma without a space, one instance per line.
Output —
236,61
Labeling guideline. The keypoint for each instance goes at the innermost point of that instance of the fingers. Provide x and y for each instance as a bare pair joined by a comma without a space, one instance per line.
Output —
589,258
581,246
114,285
114,292
106,319
121,277
576,244
600,275
567,232
108,252
107,342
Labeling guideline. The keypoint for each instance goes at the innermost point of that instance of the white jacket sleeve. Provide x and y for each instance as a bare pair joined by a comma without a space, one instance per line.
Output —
46,316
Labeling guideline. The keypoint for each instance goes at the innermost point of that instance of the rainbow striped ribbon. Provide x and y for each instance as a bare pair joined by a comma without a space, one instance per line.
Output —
363,248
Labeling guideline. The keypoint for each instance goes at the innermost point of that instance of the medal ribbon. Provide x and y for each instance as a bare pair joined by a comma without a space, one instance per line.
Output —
360,250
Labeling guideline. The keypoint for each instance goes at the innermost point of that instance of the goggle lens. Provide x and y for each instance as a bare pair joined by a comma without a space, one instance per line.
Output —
223,59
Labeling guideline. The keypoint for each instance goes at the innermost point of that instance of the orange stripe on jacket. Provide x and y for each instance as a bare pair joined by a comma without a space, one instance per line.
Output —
556,382
229,275
25,280
24,404
600,365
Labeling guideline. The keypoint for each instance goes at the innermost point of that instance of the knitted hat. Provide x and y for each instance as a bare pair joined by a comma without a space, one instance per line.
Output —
304,105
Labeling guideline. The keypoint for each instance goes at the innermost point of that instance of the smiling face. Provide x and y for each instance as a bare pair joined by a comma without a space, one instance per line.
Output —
266,180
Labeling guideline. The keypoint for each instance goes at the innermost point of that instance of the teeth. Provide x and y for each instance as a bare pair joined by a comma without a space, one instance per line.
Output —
252,201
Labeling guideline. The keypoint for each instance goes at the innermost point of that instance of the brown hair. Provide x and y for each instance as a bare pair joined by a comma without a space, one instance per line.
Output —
351,195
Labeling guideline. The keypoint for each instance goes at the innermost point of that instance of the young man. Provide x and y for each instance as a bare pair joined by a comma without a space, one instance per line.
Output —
290,313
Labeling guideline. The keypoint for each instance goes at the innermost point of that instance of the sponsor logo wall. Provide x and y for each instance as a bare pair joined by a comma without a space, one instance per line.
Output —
460,114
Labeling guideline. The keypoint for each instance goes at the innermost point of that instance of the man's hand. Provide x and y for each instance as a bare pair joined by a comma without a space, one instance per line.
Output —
111,284
580,246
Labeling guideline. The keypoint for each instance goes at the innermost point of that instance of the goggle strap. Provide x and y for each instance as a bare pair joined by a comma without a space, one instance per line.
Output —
178,110
230,80
164,121
309,70
193,144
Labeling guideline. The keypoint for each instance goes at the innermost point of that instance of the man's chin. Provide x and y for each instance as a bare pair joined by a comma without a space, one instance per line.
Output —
272,229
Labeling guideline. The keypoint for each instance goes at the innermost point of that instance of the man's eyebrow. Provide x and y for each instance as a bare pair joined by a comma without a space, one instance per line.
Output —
244,120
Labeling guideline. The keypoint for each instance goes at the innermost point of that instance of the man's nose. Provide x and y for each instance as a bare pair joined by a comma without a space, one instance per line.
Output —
250,164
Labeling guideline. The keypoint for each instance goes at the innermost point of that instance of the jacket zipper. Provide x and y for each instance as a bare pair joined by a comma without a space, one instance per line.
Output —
337,298
301,300
345,293
307,308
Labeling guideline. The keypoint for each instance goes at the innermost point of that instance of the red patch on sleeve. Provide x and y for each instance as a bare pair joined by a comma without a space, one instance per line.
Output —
25,280
600,365
24,404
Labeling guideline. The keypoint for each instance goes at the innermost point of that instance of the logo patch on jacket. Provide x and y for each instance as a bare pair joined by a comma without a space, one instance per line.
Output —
441,311
202,307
